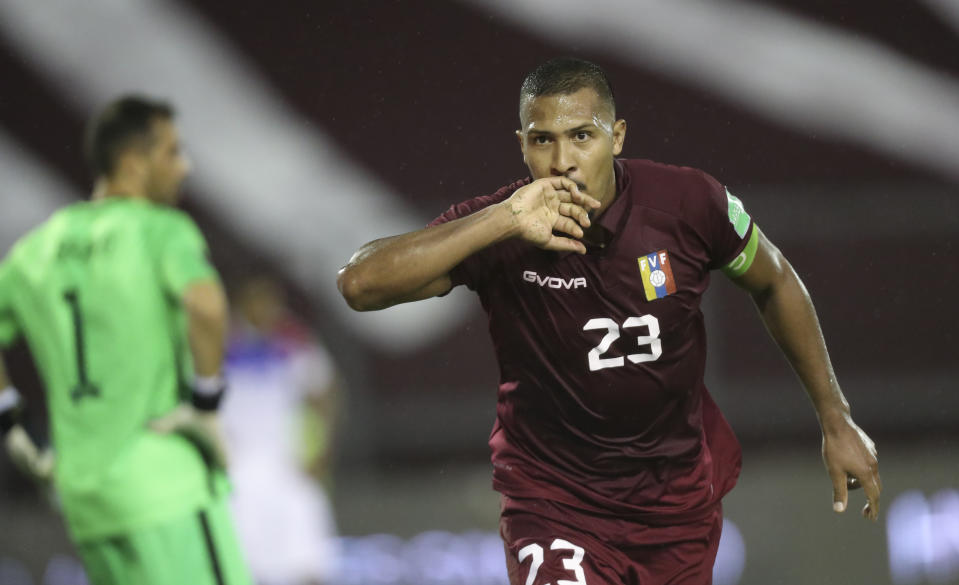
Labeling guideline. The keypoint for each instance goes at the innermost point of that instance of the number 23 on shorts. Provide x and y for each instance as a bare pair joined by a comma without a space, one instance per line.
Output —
571,564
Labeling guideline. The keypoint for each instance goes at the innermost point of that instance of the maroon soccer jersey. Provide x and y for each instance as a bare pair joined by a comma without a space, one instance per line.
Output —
601,399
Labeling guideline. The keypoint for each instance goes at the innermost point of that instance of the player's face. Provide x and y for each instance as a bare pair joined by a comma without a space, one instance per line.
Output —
574,136
167,165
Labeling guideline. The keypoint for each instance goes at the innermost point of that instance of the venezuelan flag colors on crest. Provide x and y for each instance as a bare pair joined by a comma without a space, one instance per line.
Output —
657,275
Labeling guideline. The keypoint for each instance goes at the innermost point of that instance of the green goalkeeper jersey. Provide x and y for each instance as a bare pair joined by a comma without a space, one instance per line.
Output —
96,291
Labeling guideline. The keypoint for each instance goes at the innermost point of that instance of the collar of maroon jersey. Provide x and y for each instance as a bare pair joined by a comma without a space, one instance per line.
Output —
614,218
611,220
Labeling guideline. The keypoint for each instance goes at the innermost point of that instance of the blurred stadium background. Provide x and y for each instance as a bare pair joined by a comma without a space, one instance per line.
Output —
316,126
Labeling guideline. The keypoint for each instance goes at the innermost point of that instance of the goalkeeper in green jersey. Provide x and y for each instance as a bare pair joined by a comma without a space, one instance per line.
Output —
126,319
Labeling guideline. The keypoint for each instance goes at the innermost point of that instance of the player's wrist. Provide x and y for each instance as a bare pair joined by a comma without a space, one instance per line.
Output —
504,218
208,392
10,404
834,417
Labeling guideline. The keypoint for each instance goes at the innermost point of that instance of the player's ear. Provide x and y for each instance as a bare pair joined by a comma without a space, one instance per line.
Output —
619,136
130,163
522,144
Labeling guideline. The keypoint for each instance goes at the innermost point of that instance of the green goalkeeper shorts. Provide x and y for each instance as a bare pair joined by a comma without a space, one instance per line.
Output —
200,548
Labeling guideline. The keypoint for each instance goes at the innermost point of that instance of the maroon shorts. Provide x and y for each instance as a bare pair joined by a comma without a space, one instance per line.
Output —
551,543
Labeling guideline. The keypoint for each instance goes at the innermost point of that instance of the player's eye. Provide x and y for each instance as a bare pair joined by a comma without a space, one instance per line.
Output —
582,135
541,139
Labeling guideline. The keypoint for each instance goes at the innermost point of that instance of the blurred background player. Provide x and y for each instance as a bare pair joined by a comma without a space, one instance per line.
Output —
126,321
278,420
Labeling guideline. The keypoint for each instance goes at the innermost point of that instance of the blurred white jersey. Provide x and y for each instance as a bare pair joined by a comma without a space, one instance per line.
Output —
283,515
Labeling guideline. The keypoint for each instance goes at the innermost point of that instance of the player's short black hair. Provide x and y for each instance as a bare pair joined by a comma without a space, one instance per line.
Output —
123,121
566,75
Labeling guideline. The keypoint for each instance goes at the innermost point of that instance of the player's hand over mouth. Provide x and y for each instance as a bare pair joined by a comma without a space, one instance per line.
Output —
547,205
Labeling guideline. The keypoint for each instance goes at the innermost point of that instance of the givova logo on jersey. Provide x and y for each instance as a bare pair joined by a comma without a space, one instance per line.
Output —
657,275
554,281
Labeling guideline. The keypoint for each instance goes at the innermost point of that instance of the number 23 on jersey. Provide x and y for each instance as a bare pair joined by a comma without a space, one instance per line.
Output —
572,564
650,340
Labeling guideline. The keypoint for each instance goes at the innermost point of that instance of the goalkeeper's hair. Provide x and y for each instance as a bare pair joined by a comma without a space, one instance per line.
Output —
563,76
124,122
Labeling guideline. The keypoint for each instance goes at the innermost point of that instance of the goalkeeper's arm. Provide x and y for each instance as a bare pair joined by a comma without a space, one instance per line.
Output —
207,315
36,463
206,309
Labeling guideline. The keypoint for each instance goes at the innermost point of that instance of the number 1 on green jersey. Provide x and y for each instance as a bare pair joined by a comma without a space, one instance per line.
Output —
84,387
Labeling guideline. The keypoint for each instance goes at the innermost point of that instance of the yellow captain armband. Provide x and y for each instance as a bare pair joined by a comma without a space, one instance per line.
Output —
741,263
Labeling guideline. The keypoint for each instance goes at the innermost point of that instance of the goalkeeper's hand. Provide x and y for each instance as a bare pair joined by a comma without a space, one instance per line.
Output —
199,426
35,463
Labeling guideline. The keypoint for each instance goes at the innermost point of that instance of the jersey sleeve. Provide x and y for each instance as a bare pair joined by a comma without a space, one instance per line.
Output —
472,270
184,257
9,326
729,232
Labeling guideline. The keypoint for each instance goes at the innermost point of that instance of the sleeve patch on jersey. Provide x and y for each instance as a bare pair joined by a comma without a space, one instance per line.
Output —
657,275
737,214
741,263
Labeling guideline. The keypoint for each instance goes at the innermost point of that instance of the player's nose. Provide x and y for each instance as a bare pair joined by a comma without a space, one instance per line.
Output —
563,162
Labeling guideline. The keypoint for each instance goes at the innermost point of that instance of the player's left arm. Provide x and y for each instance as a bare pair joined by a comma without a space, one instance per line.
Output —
24,453
787,310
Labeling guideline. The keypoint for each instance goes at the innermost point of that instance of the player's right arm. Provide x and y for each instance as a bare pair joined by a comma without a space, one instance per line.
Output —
207,317
416,265
206,308
187,274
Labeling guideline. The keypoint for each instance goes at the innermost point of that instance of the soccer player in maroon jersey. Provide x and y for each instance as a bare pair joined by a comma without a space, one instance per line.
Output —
610,455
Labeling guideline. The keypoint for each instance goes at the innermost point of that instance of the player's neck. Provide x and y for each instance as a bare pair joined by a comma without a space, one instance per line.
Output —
606,199
117,187
595,234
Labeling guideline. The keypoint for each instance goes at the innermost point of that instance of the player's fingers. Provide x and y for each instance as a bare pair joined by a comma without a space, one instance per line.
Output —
217,452
205,434
577,195
164,424
576,212
171,421
568,226
211,448
560,244
872,489
839,494
563,184
586,200
552,191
